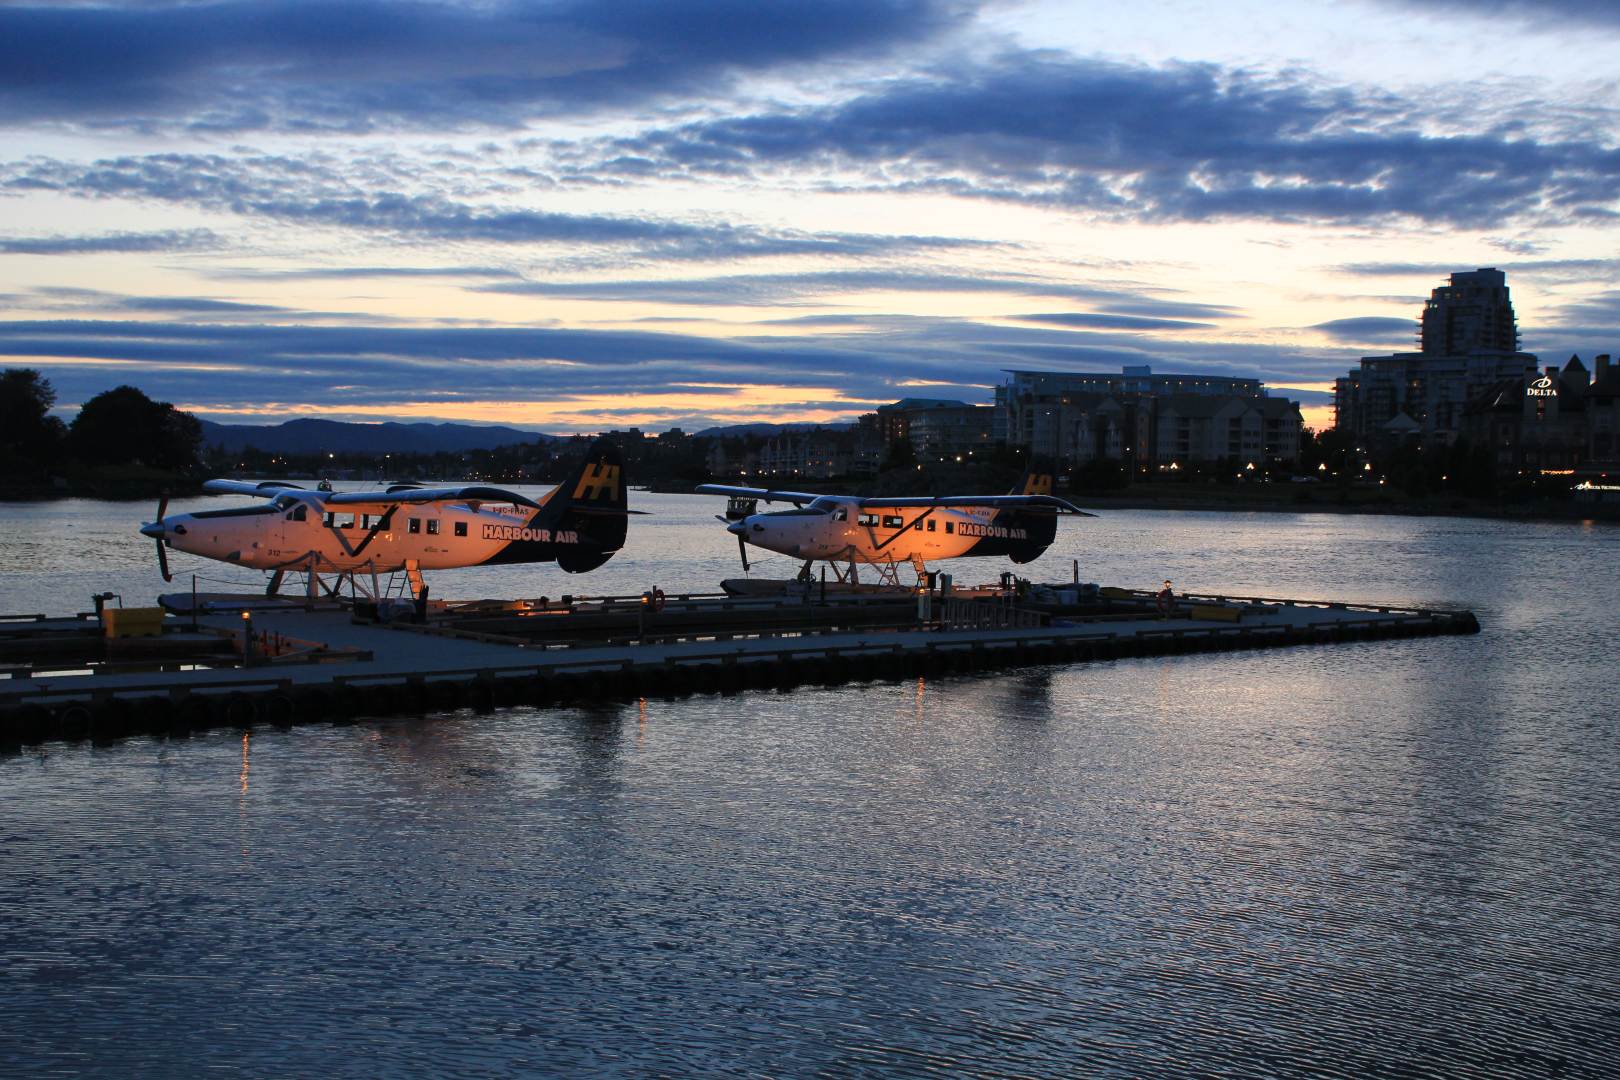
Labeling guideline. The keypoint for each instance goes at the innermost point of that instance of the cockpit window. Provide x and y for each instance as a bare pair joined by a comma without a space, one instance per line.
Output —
825,504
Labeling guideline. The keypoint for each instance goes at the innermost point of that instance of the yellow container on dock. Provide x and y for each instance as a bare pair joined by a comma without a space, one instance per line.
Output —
132,622
1216,612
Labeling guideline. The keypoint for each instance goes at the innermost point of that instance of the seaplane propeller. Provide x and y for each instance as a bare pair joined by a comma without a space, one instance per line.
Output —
155,531
742,550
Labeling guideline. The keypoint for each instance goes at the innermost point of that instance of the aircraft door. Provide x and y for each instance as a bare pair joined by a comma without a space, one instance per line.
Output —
287,533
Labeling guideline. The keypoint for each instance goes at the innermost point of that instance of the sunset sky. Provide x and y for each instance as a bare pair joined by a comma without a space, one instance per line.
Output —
584,215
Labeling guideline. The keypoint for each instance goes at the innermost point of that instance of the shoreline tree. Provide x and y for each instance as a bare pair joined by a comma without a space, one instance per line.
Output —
30,438
123,425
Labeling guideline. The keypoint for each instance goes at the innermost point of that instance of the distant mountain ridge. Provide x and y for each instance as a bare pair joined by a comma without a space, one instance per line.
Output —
736,430
312,436
335,436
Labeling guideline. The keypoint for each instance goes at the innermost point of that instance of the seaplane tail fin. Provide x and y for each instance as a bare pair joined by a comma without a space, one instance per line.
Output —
592,504
1033,528
1039,478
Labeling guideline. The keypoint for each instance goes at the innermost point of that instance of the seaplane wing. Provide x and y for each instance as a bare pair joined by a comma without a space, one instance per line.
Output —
578,525
798,498
994,502
265,489
399,493
1019,525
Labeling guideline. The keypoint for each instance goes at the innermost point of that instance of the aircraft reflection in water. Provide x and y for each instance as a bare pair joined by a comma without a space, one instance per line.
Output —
407,527
887,531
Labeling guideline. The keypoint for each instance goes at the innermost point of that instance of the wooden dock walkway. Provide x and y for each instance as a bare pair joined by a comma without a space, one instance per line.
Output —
330,664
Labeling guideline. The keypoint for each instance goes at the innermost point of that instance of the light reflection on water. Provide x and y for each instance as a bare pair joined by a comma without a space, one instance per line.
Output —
1369,859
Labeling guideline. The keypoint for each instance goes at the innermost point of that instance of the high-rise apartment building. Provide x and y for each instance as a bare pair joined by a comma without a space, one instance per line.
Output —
1471,314
1469,343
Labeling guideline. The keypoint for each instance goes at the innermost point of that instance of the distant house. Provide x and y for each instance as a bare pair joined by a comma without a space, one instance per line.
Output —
730,458
814,453
1084,428
936,428
1200,428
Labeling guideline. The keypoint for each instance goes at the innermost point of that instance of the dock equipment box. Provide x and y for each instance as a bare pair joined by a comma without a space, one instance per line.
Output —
1217,612
132,622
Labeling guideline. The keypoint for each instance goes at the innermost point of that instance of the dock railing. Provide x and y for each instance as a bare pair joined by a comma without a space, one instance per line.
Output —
998,614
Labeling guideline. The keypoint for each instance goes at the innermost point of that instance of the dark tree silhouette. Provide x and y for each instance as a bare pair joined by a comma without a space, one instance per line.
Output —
899,455
124,425
29,435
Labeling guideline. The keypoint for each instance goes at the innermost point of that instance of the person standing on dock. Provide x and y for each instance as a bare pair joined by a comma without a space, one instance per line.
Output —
1166,601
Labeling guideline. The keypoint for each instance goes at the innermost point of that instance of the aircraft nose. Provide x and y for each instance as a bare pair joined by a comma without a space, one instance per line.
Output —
154,530
738,528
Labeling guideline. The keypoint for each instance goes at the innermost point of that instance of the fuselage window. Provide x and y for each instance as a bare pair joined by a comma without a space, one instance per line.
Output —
365,521
433,526
917,526
868,520
461,528
950,526
930,524
841,514
341,521
301,514
416,525
893,522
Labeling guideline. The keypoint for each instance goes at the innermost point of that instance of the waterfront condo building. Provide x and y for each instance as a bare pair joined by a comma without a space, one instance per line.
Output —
1468,344
1146,422
1472,314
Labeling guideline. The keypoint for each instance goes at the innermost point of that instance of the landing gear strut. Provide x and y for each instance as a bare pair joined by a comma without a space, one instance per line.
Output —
362,581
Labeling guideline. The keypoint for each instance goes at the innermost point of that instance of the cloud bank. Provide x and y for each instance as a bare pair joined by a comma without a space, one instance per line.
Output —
363,65
1185,142
249,368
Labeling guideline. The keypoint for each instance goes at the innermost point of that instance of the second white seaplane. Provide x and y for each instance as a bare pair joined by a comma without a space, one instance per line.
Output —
889,532
355,536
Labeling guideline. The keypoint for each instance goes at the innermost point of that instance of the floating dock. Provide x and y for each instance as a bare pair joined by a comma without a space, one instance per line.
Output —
238,661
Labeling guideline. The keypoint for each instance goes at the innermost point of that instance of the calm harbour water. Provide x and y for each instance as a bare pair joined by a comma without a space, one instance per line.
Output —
1382,858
